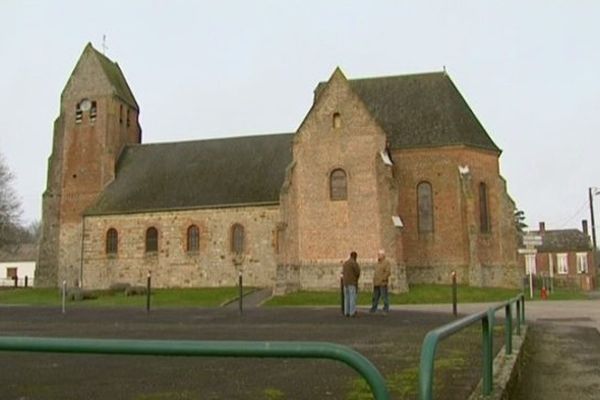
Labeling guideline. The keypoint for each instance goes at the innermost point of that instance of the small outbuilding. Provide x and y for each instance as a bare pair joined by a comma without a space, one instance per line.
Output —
18,263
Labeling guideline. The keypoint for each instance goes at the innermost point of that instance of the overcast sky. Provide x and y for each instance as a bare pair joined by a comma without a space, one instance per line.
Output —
530,70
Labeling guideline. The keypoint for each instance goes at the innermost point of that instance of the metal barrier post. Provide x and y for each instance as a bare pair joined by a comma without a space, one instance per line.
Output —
487,325
508,328
64,296
454,296
241,295
518,307
342,300
148,288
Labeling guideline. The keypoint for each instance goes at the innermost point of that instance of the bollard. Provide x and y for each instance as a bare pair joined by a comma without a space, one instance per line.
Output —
454,296
342,293
148,287
64,296
16,281
26,280
241,296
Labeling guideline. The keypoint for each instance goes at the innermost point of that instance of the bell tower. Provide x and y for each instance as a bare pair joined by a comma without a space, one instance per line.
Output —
98,118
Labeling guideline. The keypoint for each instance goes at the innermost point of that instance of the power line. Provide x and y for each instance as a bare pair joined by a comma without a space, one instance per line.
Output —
576,214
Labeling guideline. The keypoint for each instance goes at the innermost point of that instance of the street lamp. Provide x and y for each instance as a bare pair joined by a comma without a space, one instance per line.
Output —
593,191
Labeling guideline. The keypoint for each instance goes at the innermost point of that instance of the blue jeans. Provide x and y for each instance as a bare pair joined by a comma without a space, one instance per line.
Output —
349,300
380,291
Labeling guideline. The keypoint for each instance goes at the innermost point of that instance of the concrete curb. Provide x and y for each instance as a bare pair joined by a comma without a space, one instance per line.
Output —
507,370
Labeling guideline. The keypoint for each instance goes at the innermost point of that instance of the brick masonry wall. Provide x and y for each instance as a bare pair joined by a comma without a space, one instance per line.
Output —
456,243
319,232
172,266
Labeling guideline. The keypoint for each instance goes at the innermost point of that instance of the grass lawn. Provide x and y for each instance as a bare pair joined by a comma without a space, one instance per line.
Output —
193,297
418,294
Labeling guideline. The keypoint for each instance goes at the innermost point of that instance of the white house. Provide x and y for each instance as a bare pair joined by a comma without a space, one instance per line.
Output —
19,263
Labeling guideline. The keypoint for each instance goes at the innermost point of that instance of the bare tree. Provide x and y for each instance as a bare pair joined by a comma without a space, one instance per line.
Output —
10,207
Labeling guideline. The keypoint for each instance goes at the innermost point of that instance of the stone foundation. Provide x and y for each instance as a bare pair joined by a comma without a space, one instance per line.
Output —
291,278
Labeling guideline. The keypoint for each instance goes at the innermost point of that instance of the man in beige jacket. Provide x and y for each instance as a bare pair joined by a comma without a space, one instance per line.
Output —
380,282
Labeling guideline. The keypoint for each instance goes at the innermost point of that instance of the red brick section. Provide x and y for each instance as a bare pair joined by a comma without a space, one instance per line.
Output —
456,214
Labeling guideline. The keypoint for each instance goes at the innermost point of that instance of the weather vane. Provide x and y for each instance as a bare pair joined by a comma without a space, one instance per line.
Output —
104,46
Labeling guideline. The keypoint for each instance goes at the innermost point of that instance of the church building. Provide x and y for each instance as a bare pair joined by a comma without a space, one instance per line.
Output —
399,163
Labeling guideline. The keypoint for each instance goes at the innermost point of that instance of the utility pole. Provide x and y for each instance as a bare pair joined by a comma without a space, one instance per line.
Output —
592,192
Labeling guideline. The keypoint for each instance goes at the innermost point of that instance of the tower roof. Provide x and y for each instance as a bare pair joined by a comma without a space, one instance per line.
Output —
115,76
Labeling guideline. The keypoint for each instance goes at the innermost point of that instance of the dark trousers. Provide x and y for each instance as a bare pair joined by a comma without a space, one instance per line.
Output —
378,292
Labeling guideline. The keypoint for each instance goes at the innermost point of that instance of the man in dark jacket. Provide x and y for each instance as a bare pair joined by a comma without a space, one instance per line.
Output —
351,273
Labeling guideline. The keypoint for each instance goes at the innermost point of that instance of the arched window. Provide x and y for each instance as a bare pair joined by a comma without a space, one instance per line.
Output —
338,187
151,240
337,120
484,217
193,238
425,207
112,241
237,239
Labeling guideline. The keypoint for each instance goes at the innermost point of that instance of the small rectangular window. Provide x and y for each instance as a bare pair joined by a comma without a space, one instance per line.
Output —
563,263
128,118
11,273
582,263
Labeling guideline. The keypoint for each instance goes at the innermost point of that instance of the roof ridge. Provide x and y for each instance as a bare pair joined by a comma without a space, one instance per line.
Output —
399,76
251,136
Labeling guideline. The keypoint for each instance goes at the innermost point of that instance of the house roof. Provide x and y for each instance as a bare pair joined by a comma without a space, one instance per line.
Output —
421,110
202,173
19,253
115,77
563,240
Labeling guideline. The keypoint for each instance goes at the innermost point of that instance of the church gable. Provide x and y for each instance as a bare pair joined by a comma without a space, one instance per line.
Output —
336,150
420,110
337,113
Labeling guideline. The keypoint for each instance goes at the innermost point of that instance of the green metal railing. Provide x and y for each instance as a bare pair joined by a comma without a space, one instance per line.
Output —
429,347
279,349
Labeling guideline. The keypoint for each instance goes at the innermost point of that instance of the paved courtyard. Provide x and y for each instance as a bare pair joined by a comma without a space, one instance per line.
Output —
391,342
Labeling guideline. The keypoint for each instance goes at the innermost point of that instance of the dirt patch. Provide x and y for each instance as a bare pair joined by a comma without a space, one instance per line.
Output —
391,342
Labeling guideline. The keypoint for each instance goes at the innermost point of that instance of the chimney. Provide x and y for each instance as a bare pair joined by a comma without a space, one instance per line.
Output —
542,227
584,226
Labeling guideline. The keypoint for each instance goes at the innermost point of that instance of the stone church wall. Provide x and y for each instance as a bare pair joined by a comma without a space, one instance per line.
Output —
456,242
172,266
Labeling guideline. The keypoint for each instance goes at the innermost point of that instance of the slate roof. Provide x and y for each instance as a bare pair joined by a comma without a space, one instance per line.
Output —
421,110
19,253
563,240
202,173
116,78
